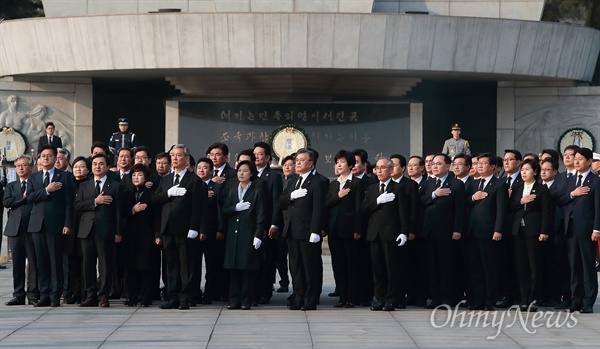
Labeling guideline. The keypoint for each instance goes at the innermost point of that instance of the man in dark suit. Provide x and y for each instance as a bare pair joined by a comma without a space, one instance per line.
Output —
582,221
488,199
444,203
19,240
51,192
49,138
274,184
305,204
183,199
509,290
100,228
212,238
219,154
384,205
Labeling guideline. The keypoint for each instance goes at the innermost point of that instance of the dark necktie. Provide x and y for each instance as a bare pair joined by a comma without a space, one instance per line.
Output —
382,189
47,179
569,175
50,140
216,173
299,184
23,186
438,183
138,195
579,181
98,187
481,186
176,179
508,182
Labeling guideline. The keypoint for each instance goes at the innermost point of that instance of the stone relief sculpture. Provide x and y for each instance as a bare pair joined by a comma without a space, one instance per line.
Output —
33,123
542,128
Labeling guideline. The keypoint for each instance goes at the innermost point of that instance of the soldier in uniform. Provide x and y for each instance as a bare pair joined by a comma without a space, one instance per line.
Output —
123,138
456,144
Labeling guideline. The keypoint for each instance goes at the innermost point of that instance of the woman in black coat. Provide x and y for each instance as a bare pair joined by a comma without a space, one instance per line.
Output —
531,229
243,208
343,203
141,255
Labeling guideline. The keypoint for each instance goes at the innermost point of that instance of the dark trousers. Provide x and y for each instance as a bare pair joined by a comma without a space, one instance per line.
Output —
345,270
118,286
417,275
241,286
508,279
464,270
214,254
306,266
444,277
484,271
550,288
76,277
268,268
528,253
100,251
582,259
140,285
181,254
365,271
563,272
22,249
48,252
387,271
282,262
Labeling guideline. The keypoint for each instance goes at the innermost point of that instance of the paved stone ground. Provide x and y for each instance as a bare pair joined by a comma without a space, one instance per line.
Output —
274,326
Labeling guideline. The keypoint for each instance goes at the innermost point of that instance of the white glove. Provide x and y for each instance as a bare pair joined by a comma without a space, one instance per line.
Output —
385,198
402,238
314,238
298,193
176,191
242,206
192,234
257,242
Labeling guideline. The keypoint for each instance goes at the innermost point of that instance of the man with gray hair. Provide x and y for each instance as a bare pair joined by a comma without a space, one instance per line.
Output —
385,207
62,159
183,199
19,240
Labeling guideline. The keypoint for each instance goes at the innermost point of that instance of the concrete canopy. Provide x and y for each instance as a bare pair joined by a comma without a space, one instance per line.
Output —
381,45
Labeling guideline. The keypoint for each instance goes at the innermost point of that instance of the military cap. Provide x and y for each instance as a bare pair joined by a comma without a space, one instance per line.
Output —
455,127
123,121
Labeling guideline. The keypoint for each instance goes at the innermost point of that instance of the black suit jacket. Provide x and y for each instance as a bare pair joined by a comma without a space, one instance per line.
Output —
487,215
443,215
212,222
228,172
181,213
415,214
274,184
584,209
536,215
107,219
56,142
18,209
388,220
55,210
345,214
306,213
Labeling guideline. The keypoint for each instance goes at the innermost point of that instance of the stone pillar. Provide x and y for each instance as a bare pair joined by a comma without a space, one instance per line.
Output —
171,123
416,128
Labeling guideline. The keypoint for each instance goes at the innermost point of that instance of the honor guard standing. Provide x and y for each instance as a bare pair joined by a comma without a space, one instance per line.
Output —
456,144
122,138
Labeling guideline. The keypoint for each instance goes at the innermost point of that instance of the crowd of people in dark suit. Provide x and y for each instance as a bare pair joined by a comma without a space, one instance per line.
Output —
480,231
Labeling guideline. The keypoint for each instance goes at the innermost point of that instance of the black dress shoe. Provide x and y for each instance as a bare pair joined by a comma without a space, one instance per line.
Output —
308,307
2,266
45,303
184,305
246,307
283,289
263,300
15,301
586,309
55,304
574,308
400,306
90,302
377,307
504,303
489,307
234,306
206,301
192,303
563,305
71,300
433,305
255,304
389,307
475,307
170,305
333,294
295,307
114,296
